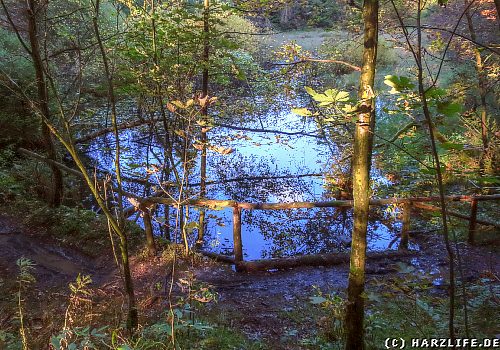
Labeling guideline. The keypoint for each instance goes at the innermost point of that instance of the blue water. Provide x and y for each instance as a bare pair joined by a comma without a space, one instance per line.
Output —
265,233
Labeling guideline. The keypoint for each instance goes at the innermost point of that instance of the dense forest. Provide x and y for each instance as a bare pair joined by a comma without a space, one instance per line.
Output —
284,174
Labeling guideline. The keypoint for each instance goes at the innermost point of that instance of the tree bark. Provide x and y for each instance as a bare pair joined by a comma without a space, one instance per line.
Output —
363,142
439,175
132,317
148,230
204,114
405,228
482,92
472,223
43,101
237,241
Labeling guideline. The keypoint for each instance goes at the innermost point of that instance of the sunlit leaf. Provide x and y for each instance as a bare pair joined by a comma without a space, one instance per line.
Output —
171,107
303,112
178,104
310,91
398,83
342,96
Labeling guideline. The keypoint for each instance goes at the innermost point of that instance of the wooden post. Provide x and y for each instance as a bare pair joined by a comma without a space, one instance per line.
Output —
472,223
238,246
405,228
148,230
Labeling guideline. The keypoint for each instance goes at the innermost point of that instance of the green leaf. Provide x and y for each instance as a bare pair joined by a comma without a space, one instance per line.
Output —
331,93
322,98
342,96
325,103
124,347
134,165
435,92
55,342
310,91
451,145
398,84
448,108
348,108
303,112
428,171
427,309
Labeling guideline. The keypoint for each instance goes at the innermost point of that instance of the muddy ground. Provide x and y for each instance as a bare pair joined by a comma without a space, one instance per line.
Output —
261,305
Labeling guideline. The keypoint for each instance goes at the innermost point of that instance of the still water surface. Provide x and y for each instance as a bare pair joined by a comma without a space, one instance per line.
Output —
265,233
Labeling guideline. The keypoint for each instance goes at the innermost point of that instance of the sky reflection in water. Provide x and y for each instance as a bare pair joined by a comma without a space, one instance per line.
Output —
265,233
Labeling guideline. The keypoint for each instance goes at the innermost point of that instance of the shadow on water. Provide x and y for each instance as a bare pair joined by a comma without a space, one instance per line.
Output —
262,157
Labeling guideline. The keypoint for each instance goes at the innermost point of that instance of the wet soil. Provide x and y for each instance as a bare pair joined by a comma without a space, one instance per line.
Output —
264,306
268,305
55,265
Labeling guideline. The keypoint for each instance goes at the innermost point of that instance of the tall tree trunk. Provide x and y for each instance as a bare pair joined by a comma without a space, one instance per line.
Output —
204,113
439,175
482,92
132,318
361,162
43,101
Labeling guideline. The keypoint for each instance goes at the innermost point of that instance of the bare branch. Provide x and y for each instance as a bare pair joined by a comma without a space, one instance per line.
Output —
319,60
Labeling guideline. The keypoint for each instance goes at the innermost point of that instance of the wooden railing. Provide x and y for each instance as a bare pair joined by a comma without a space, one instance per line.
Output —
143,204
406,204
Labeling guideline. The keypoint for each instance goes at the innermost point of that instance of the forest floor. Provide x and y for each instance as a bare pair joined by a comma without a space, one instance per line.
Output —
265,306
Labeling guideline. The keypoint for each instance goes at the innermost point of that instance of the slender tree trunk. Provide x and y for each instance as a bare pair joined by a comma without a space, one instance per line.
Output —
482,93
43,101
204,113
497,5
439,176
363,141
132,317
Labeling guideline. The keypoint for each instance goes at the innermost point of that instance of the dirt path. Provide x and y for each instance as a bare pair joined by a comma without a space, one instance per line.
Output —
55,265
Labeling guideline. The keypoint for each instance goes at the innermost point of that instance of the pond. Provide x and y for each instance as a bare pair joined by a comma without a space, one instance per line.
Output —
262,167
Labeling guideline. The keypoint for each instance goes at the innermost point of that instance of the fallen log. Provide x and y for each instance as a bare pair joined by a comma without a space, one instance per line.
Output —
313,260
434,208
218,257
